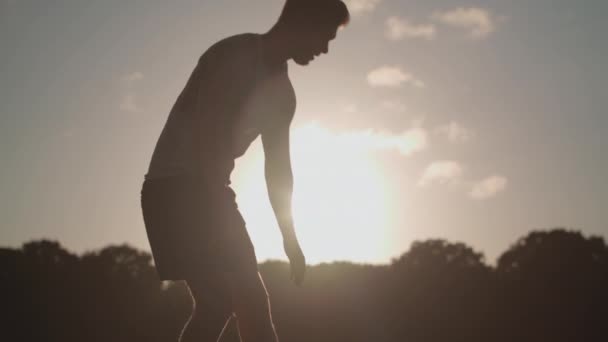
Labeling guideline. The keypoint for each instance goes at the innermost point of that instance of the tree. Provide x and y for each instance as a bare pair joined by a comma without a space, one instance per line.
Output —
440,284
556,284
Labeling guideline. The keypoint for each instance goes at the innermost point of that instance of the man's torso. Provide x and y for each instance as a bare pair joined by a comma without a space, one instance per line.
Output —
256,96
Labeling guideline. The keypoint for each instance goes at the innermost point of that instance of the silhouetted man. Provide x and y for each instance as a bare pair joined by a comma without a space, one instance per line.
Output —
239,89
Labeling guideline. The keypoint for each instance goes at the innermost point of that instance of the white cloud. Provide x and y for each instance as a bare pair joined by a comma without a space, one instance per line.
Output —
399,28
489,187
392,76
393,106
407,143
478,21
350,108
133,77
129,104
455,132
441,172
357,7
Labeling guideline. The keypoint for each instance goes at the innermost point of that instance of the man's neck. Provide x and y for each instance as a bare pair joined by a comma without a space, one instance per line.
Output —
274,47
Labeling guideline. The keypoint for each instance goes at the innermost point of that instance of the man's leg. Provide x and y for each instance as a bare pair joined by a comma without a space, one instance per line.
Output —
211,311
252,308
246,288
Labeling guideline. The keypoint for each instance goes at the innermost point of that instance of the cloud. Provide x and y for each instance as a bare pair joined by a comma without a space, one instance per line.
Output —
479,22
350,108
455,132
129,104
357,7
406,143
399,28
392,76
489,187
393,106
133,77
441,172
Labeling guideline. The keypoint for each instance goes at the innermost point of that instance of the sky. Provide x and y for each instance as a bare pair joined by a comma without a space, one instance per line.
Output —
473,121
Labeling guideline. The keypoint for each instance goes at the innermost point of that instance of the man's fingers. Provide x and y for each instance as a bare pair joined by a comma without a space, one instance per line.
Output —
300,271
297,273
298,265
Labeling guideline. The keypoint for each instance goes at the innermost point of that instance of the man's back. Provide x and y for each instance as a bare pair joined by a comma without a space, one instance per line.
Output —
220,110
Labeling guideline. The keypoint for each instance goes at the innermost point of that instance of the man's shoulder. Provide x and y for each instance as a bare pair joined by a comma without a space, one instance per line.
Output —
239,47
238,40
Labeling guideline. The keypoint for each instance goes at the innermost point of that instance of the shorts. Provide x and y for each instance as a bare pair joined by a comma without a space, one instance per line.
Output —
194,229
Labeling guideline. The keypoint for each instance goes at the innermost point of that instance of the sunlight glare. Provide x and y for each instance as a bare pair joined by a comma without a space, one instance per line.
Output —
339,203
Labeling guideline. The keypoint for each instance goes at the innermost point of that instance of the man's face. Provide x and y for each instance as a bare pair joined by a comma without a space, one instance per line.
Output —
312,44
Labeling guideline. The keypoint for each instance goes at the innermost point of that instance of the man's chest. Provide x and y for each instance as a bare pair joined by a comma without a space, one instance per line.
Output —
272,99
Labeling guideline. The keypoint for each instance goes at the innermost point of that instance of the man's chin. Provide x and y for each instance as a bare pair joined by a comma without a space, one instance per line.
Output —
302,61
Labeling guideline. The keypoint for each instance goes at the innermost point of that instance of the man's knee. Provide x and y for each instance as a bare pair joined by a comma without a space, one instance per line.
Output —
209,302
250,296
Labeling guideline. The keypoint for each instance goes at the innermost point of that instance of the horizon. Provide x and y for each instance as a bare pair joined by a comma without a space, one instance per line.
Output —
485,261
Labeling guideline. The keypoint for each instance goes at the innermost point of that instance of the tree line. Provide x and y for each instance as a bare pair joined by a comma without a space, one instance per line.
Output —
548,286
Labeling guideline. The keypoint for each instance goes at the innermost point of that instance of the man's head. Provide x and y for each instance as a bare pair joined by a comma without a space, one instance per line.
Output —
311,24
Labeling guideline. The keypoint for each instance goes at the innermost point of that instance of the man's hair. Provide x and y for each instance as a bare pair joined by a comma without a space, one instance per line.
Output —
314,13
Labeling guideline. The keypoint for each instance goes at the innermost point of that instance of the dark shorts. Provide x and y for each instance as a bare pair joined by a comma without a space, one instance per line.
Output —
194,229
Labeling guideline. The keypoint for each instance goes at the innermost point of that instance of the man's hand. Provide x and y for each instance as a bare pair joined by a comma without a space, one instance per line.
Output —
296,259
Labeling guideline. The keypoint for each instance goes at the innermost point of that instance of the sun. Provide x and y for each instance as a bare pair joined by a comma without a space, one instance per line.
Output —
339,203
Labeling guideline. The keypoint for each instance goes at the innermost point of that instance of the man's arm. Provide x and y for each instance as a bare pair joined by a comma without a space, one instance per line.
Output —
279,176
279,181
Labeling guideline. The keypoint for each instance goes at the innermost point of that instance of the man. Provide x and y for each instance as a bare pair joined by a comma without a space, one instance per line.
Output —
239,90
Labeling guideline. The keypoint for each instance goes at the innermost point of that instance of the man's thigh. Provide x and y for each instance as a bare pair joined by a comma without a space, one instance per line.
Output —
227,269
193,230
211,293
